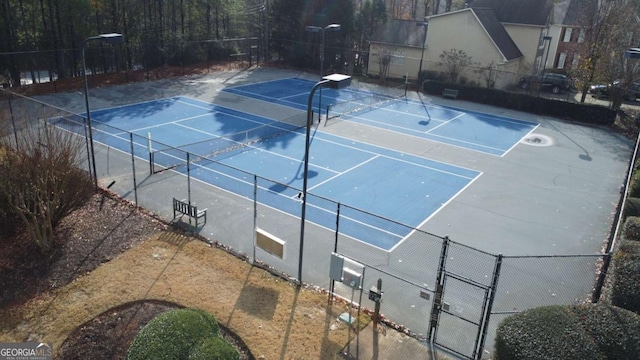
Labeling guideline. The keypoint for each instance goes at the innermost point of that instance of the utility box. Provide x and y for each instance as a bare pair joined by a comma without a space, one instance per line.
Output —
375,295
346,271
336,266
352,278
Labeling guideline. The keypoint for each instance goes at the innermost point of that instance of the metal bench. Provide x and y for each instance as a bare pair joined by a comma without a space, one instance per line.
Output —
450,93
184,208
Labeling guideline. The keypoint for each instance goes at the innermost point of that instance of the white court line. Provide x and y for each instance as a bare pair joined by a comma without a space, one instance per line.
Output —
233,178
442,206
444,123
397,159
346,171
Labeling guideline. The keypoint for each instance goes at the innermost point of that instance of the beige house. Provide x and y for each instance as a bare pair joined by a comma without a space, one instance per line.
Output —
504,40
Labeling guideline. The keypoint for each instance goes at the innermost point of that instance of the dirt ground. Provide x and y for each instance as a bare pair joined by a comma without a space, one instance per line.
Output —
117,267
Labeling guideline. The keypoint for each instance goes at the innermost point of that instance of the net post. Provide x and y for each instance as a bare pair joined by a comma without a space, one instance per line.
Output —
150,153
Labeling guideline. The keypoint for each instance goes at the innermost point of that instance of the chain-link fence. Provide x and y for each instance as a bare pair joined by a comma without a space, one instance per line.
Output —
435,289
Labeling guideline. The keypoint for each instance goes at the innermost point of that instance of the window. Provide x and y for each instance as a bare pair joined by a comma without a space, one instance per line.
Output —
567,35
562,57
581,35
398,57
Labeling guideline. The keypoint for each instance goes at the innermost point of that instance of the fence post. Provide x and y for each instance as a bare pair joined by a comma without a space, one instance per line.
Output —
133,166
188,182
255,214
597,291
437,298
335,250
492,296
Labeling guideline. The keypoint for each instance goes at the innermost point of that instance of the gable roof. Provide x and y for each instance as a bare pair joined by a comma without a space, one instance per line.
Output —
573,12
525,12
407,33
497,33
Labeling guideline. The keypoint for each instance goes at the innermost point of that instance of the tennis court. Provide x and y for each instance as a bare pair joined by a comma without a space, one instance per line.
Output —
227,144
475,131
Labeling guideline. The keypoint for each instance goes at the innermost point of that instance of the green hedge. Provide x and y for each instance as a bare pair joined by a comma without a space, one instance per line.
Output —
632,207
175,335
569,332
625,290
631,228
214,348
634,186
585,113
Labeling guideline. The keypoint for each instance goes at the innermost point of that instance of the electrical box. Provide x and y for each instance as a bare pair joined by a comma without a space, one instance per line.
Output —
336,266
346,271
352,278
375,295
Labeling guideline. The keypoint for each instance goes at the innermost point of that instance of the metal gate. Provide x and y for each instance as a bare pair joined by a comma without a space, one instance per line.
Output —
462,304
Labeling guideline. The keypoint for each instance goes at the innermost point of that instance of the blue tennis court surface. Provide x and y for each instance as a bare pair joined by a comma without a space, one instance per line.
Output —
475,131
398,186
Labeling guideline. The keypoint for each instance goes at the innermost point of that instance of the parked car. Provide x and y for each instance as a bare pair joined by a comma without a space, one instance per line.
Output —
548,81
600,91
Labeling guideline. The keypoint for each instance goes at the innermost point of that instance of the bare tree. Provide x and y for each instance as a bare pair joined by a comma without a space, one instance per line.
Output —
610,27
40,180
454,61
384,57
489,74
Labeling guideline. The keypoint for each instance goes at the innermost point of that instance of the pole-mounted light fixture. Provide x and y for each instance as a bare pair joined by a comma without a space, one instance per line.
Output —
111,38
334,81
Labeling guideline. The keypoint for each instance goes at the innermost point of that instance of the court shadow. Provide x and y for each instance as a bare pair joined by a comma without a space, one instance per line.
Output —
278,188
258,301
423,122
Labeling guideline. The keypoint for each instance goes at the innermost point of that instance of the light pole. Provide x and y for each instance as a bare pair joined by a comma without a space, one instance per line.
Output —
424,24
330,27
112,38
546,39
334,81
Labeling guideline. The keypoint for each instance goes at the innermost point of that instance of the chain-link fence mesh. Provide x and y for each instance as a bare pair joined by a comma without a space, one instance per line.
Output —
405,258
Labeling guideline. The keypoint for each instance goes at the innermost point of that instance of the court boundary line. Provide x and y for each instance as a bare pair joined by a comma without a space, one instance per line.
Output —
382,152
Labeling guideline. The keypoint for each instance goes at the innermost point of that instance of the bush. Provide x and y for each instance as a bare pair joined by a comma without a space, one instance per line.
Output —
585,113
543,333
632,207
214,348
631,228
626,276
569,332
173,335
634,186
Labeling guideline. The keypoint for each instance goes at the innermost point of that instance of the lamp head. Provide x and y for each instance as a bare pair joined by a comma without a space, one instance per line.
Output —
632,53
112,38
337,81
333,27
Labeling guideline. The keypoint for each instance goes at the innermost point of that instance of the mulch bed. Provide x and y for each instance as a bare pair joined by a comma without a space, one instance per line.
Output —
106,227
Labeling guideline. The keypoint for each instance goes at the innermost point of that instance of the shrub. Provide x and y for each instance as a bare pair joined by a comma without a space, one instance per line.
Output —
634,186
173,335
631,228
569,332
626,276
616,331
214,348
632,207
543,333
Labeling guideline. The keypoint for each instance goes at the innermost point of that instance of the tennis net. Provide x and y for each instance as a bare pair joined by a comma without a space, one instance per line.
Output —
365,103
172,157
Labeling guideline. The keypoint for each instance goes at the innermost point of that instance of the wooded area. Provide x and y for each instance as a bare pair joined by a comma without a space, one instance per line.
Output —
42,39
